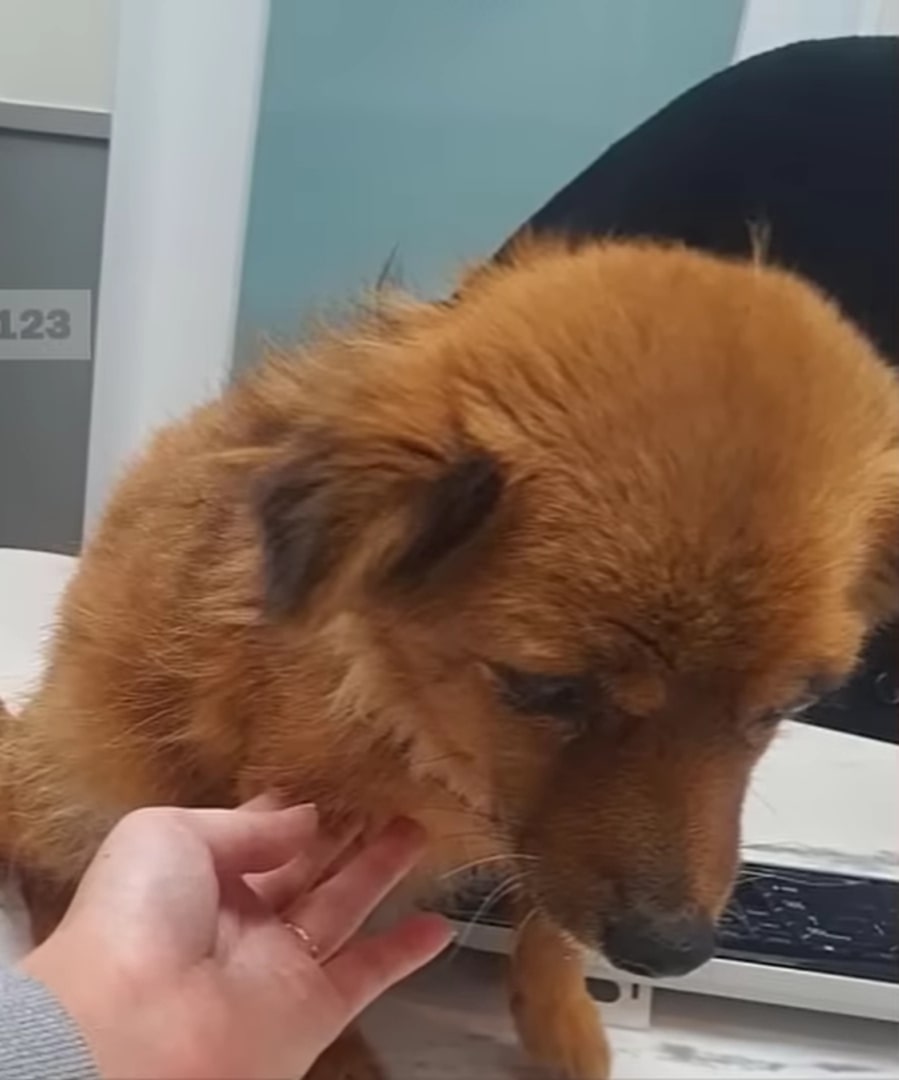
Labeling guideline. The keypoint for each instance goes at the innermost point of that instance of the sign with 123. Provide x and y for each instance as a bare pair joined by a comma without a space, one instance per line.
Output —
45,324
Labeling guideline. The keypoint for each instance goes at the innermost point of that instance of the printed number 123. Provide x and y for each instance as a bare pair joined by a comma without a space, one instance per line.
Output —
35,325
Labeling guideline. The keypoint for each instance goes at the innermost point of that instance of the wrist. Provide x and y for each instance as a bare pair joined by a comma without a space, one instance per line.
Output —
112,1012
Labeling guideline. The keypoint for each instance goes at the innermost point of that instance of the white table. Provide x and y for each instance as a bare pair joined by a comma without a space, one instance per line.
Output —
450,1023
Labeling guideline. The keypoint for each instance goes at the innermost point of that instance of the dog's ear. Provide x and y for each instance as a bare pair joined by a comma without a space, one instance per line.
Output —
347,518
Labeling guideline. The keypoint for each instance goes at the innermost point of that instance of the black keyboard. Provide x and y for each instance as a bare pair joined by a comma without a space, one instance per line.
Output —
806,919
815,921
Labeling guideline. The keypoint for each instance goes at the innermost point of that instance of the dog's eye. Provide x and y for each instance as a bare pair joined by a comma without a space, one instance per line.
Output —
533,694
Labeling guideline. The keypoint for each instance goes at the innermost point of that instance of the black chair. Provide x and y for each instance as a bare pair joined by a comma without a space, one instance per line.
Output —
803,144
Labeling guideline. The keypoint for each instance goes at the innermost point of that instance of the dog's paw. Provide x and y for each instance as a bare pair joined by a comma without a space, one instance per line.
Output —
349,1058
564,1035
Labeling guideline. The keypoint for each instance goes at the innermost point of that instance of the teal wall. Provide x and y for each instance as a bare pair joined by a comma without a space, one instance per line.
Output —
437,126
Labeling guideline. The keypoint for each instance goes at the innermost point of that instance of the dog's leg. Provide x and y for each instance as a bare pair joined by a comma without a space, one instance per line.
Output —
557,1019
349,1058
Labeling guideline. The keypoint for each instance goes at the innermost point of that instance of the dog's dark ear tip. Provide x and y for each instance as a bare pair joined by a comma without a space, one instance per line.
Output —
304,508
291,511
452,510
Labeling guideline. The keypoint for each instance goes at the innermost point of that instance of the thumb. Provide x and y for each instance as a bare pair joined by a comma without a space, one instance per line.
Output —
234,841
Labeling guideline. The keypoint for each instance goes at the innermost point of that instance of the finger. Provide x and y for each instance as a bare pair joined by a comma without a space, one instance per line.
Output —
355,844
245,843
333,912
369,966
282,888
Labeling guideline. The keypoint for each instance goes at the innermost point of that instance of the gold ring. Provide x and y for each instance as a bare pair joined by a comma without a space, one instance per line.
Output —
309,943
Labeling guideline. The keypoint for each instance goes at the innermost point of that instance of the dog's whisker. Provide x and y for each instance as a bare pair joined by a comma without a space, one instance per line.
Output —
474,834
791,877
464,811
503,889
740,912
765,802
486,861
532,914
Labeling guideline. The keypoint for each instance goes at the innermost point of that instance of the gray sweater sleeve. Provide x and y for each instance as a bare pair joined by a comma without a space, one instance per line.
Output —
38,1038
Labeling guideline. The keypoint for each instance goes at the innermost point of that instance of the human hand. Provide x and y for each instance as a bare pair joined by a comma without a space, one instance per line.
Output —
177,957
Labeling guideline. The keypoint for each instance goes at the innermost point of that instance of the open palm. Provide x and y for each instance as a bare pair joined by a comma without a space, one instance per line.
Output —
221,944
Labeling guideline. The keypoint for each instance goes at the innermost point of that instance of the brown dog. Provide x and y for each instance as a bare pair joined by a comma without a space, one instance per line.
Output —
542,568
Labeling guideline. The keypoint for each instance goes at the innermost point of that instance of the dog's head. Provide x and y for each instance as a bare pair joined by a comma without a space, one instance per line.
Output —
608,518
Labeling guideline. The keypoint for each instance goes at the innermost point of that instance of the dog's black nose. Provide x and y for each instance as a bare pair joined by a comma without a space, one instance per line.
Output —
658,943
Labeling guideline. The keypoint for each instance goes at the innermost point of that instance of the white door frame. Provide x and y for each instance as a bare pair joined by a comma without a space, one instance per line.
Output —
188,79
768,24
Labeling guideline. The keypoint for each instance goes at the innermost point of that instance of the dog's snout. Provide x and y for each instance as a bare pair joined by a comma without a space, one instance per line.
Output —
659,943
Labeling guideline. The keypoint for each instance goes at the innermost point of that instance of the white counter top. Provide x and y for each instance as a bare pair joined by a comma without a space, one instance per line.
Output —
451,1024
